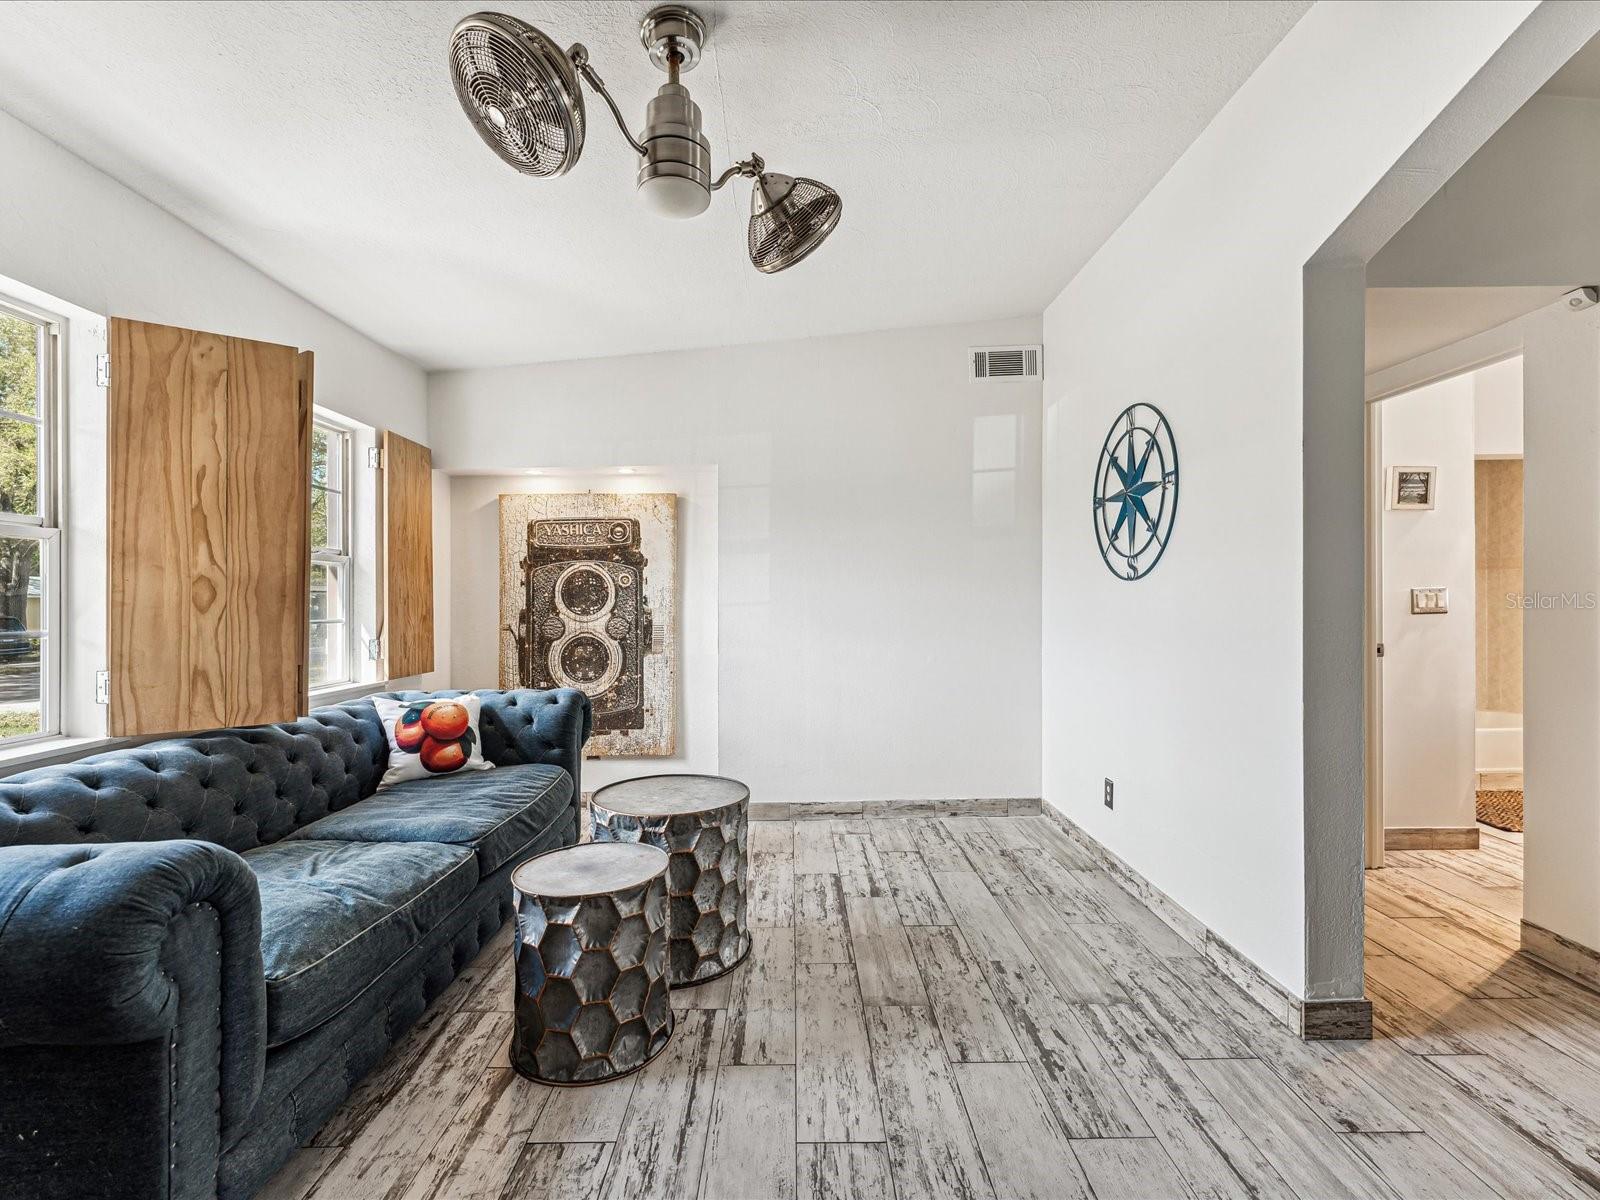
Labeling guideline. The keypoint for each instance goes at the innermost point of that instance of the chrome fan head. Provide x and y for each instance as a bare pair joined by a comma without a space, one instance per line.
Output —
520,91
789,218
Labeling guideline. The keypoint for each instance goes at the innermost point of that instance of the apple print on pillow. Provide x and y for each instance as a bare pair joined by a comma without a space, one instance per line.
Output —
431,737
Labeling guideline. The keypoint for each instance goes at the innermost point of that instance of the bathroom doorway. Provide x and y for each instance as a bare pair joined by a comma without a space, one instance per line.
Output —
1447,606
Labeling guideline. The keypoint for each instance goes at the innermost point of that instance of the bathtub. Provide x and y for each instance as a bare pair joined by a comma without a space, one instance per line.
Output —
1498,742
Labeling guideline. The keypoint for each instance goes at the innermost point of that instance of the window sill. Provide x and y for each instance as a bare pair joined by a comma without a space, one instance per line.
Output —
340,692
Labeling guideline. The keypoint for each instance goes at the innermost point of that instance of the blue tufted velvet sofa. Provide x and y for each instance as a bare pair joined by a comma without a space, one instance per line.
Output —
206,942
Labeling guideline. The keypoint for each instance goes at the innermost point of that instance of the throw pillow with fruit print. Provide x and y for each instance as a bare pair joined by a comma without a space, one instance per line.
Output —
430,737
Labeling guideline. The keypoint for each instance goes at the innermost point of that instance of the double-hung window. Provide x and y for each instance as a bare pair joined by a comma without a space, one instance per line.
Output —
332,661
30,540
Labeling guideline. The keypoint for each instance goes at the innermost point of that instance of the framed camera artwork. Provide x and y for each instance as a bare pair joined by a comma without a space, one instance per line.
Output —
588,601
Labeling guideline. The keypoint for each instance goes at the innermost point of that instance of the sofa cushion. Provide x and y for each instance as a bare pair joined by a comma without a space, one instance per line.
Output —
496,813
336,914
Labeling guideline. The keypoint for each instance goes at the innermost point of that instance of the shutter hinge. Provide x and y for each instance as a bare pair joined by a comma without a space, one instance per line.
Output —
102,687
375,457
1380,649
102,370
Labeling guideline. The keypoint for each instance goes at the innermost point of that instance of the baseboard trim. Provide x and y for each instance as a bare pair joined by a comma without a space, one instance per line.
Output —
1442,837
1336,1020
1572,959
777,810
1312,1020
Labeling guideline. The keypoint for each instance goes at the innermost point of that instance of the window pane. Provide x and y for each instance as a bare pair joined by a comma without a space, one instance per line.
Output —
19,467
330,661
330,657
21,610
20,660
327,521
336,456
327,592
327,655
319,455
21,347
20,674
319,519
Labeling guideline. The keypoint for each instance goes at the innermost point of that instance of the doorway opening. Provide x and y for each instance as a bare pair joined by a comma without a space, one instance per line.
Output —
1444,892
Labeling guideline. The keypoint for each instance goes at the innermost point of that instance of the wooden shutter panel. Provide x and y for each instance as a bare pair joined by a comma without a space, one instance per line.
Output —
408,556
208,529
269,533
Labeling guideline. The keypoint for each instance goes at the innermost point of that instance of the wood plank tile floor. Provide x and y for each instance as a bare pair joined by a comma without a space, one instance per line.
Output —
966,1008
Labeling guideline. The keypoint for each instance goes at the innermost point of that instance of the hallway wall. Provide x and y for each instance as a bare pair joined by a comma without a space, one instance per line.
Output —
1561,629
1429,659
1188,687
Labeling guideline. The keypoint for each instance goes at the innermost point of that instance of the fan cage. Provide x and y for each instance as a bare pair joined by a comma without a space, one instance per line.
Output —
541,126
794,227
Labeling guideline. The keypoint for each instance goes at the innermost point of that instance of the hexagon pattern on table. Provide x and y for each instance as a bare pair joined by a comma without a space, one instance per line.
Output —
707,880
592,987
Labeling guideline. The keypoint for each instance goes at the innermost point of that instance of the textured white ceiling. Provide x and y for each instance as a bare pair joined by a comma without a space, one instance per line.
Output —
983,151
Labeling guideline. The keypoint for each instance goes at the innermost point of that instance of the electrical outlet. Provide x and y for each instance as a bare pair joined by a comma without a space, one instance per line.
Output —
1110,788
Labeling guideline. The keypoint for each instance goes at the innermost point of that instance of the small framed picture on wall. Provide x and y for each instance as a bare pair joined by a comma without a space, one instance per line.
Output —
1412,487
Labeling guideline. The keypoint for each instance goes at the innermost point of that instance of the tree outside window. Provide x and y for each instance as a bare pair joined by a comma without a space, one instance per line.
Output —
331,659
27,541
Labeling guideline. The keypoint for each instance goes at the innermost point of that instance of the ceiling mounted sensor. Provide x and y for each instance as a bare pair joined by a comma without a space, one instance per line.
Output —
521,92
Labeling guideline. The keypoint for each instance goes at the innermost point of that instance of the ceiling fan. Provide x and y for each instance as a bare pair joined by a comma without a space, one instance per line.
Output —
520,90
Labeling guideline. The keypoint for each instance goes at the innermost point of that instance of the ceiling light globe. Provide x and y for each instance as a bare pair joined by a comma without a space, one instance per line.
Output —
674,196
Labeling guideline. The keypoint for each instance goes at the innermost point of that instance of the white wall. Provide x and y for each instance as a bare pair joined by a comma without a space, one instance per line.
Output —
1188,687
1429,661
878,597
77,234
87,247
477,630
1497,409
1561,635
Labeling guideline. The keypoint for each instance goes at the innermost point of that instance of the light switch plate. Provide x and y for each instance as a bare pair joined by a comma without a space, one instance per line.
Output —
1430,601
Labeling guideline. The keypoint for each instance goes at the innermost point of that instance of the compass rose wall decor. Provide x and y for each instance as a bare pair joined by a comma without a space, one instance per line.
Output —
1136,491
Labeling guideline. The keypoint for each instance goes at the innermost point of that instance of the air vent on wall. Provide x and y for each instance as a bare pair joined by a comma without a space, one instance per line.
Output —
1005,362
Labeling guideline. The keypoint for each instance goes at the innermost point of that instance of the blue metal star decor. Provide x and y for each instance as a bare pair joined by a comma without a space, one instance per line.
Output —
1136,491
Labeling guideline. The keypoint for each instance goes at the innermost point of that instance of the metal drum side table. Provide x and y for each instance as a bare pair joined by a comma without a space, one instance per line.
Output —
702,821
591,963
